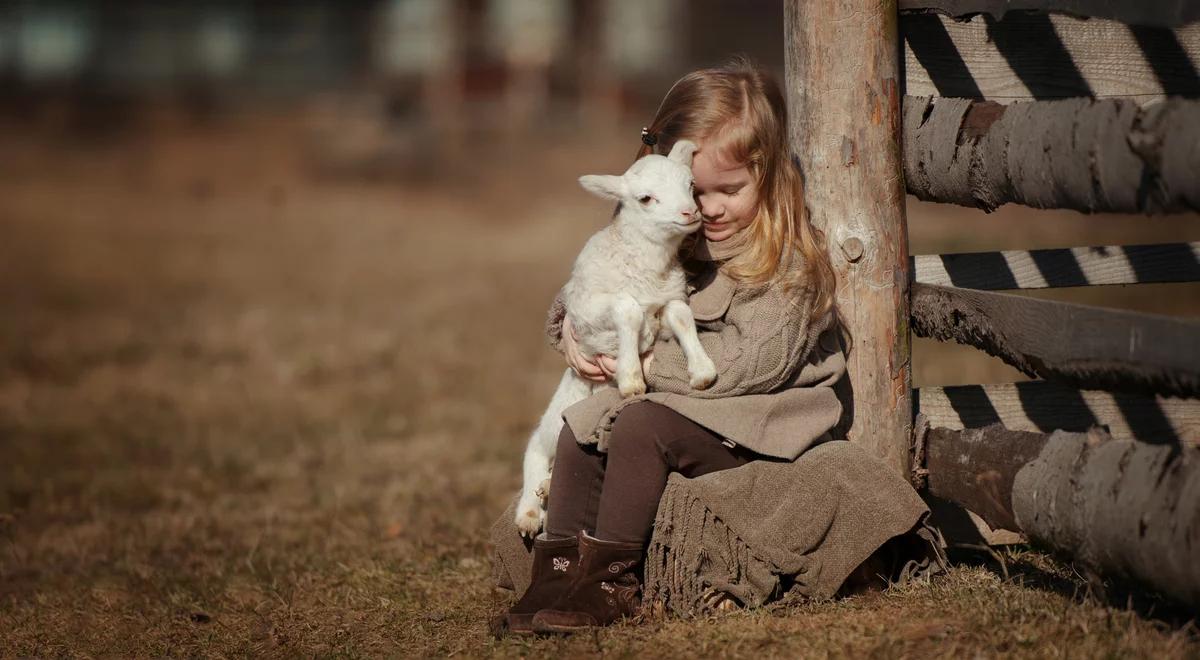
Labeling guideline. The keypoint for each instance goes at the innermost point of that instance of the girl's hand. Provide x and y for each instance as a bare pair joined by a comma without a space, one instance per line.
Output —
586,367
608,364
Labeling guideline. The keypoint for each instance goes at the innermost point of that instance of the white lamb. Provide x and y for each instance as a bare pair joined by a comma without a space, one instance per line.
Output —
625,280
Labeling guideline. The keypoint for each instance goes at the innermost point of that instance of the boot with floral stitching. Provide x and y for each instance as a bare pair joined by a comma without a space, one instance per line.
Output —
606,588
554,562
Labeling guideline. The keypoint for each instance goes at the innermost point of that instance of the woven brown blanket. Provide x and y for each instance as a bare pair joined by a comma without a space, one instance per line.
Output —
765,529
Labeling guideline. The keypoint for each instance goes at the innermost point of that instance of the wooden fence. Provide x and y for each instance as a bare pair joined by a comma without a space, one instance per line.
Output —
1089,105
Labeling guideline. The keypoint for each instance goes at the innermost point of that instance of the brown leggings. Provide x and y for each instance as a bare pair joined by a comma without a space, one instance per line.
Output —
614,495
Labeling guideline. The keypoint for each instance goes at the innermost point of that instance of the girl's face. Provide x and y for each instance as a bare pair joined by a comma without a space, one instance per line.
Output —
725,192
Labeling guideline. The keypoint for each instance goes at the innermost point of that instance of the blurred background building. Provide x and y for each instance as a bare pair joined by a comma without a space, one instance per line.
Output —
405,75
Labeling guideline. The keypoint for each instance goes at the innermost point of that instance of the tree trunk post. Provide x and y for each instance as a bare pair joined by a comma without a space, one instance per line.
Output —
842,74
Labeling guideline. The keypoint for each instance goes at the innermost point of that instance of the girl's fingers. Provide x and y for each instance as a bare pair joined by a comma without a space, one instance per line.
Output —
595,371
606,364
584,367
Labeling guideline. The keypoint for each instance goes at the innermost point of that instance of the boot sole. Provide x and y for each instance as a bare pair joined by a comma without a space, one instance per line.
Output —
561,630
518,630
543,628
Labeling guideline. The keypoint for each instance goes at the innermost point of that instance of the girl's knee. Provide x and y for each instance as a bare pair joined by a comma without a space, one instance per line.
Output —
569,453
566,439
634,426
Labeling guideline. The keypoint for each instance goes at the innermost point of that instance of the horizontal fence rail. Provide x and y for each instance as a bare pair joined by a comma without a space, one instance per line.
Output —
1026,57
1079,154
1125,508
1160,13
1060,267
1077,344
1090,105
1043,407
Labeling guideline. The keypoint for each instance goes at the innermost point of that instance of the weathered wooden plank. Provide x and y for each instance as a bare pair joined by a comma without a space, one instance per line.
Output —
1077,344
1041,406
844,119
1061,267
1124,508
1091,156
1024,57
975,468
1161,13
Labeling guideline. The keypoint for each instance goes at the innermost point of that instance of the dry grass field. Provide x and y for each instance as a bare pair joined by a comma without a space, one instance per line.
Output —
245,410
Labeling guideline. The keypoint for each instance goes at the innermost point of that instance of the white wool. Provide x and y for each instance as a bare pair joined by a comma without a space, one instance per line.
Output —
627,286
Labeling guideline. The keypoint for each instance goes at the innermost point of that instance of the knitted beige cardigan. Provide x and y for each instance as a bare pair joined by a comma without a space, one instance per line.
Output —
776,365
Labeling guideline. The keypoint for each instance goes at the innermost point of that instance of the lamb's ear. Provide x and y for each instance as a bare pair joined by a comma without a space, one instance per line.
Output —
605,185
683,151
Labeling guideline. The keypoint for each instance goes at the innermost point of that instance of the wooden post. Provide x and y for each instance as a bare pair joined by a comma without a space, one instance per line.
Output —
842,64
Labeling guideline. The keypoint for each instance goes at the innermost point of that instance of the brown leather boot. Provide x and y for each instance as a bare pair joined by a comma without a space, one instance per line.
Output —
555,561
606,588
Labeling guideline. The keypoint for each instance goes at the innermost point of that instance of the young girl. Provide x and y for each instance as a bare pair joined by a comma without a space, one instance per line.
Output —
761,291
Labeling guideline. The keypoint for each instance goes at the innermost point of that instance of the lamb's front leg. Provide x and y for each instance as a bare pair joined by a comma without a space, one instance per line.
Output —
678,317
628,317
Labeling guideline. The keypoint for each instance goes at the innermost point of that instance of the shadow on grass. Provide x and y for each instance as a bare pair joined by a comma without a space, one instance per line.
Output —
1016,564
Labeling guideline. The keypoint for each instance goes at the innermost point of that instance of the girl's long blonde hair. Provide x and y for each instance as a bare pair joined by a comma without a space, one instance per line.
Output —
740,109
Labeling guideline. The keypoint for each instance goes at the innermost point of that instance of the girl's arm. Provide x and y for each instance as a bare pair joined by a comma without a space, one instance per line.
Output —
767,337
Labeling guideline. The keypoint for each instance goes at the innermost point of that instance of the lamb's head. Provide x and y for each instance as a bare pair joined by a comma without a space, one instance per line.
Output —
655,192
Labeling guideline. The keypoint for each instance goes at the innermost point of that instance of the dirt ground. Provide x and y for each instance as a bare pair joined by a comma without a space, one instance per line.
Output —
245,409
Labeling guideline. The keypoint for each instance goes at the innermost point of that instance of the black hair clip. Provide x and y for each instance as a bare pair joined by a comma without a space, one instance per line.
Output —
649,139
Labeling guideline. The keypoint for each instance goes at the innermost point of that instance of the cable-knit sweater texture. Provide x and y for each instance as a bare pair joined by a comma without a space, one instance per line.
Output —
776,365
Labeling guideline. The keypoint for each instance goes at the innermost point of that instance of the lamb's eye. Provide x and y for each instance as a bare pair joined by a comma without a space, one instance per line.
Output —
645,199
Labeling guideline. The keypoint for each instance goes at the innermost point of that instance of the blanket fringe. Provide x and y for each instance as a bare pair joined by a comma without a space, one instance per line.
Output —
689,542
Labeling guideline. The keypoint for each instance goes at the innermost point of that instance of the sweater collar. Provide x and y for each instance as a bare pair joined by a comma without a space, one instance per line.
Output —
707,250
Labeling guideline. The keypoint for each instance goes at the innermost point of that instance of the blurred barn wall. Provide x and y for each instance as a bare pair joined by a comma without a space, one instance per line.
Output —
402,74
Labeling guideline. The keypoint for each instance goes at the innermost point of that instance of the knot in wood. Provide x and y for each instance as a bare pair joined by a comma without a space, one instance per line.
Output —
853,249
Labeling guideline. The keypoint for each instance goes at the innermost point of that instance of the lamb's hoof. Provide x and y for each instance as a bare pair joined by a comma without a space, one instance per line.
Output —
703,375
701,381
631,387
529,520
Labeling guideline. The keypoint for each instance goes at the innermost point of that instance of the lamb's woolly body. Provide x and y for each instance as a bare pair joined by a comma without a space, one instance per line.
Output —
620,260
627,286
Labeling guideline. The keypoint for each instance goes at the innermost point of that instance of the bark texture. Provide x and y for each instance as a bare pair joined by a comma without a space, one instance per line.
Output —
1084,346
1124,508
976,467
1082,154
844,127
